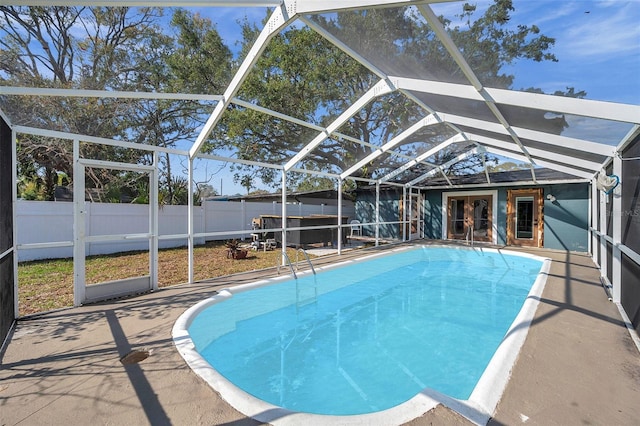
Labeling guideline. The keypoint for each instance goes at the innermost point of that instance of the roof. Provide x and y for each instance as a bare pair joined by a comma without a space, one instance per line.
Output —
471,117
543,176
296,196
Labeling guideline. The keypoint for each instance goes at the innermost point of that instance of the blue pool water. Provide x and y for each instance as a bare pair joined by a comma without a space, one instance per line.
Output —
371,335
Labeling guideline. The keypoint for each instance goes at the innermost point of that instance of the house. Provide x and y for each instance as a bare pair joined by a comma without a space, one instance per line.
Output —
508,208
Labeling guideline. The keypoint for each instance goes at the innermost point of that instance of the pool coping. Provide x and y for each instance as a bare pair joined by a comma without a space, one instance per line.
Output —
478,408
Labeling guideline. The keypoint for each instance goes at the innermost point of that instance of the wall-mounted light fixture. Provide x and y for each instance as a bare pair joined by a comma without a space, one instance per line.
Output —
551,197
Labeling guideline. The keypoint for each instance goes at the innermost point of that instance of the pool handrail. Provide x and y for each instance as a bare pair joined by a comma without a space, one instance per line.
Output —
284,253
469,233
306,256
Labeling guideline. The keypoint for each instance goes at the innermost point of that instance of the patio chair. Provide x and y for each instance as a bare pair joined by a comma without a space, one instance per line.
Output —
270,244
356,228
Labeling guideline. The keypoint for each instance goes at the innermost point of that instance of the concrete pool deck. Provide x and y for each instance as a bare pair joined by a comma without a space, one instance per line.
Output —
578,365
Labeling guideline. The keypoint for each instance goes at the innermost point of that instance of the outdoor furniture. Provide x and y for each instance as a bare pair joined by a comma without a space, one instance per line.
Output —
356,228
268,244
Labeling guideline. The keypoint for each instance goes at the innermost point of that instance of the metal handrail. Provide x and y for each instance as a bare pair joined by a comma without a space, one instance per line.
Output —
306,256
289,263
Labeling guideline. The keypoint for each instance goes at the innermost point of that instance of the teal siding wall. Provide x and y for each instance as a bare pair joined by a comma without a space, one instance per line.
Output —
389,208
433,215
566,220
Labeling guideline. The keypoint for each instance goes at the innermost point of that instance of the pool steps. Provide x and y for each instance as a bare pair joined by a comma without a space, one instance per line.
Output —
306,256
288,262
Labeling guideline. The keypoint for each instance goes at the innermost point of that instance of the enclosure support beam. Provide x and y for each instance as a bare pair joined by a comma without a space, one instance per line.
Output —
422,157
340,230
560,104
404,216
595,206
14,217
153,223
371,67
549,164
278,20
411,211
381,88
346,49
320,6
540,153
377,213
190,221
150,3
104,94
444,166
602,228
421,208
629,137
283,188
428,121
484,167
541,137
97,140
79,205
444,175
616,223
455,53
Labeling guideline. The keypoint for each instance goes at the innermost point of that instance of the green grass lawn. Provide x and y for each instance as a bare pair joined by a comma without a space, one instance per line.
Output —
44,285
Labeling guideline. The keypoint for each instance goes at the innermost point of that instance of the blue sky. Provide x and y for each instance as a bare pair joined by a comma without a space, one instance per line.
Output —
597,44
598,51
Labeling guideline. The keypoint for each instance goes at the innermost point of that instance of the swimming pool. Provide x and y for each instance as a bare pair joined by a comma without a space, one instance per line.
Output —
387,337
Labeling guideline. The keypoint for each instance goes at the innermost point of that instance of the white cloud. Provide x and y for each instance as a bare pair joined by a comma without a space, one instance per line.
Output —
603,32
541,13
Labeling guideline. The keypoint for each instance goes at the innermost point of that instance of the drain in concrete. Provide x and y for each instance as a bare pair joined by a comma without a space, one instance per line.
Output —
135,357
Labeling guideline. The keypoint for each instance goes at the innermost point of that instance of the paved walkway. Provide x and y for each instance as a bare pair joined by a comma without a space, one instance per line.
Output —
578,365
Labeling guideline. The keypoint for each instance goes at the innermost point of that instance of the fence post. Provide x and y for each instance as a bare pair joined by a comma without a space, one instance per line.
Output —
204,220
243,216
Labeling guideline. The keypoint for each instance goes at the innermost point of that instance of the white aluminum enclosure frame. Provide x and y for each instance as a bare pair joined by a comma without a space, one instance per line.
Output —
120,287
514,146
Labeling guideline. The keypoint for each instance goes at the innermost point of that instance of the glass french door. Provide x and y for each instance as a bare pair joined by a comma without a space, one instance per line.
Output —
470,214
524,217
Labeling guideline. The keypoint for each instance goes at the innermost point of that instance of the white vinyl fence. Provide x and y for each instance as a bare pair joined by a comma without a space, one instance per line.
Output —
50,222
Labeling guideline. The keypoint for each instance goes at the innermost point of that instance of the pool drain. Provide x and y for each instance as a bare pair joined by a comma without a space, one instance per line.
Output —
135,357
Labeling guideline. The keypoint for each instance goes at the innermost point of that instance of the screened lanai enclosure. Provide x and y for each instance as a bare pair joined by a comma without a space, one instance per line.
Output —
443,119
